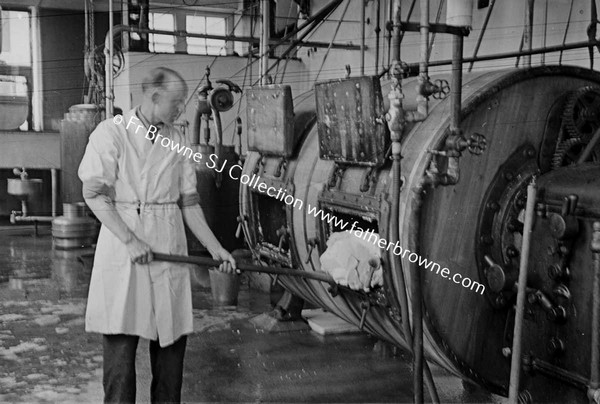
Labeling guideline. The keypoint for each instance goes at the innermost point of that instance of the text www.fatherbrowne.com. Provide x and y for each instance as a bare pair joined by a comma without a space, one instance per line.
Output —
281,194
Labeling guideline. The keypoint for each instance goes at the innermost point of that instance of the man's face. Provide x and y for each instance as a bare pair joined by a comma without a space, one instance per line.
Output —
170,102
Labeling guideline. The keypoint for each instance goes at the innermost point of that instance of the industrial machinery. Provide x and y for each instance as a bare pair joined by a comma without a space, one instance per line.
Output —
461,205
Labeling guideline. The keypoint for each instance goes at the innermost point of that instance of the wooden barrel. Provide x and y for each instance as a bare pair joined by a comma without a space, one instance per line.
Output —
465,330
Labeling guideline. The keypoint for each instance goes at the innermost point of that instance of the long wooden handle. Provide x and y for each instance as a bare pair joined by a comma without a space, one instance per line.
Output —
205,261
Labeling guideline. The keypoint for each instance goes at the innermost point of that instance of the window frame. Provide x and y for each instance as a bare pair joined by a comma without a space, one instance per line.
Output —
180,24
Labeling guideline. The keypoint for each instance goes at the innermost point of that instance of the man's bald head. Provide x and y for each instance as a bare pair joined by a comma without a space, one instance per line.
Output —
165,93
162,78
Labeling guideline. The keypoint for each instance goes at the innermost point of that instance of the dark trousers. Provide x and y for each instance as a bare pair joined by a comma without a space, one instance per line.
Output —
119,369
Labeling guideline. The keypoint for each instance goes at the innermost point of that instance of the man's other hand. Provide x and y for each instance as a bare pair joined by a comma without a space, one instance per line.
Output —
228,265
139,252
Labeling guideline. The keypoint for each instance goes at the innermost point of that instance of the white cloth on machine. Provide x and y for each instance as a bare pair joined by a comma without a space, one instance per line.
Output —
346,259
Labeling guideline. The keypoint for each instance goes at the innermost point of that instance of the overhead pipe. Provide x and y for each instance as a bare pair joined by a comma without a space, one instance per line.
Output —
510,55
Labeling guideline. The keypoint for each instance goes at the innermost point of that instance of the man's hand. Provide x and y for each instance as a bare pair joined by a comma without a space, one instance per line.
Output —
139,252
228,265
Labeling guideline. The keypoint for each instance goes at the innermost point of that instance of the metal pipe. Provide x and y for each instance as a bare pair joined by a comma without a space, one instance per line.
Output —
396,36
555,372
37,103
362,37
31,218
528,33
595,354
423,79
417,328
456,84
510,55
218,144
543,57
264,40
515,365
483,28
424,29
589,148
108,68
54,182
205,261
377,33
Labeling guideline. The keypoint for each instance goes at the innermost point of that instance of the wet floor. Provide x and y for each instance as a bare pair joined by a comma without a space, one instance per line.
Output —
45,355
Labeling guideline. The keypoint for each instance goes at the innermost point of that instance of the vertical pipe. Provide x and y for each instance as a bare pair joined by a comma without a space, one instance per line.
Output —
54,177
515,364
417,299
456,84
362,37
595,354
36,70
108,55
377,33
264,40
417,328
528,32
423,69
397,32
543,55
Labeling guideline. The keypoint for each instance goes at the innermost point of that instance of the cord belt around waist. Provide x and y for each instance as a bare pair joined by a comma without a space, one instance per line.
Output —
139,204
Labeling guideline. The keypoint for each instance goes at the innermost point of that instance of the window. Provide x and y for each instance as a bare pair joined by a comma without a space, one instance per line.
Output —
157,42
200,24
16,38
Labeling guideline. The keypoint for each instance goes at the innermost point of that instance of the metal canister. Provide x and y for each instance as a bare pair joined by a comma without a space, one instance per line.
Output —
75,229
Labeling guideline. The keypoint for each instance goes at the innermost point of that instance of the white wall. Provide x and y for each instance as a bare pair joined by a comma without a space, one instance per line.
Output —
128,91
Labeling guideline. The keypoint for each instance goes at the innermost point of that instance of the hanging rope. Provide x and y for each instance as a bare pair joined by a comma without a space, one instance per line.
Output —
564,41
332,41
285,31
482,33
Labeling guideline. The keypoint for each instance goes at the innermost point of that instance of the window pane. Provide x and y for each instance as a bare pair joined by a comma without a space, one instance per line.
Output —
200,24
162,43
16,39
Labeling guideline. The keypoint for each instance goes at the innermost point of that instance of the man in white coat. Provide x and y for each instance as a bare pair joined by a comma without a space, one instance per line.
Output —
142,192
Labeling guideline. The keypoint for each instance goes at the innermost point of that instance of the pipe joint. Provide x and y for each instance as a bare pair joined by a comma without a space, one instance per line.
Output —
595,243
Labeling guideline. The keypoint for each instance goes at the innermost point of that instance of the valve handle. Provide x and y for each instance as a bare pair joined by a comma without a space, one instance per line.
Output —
477,144
442,89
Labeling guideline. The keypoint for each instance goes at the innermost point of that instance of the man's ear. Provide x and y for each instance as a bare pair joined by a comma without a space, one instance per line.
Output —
156,96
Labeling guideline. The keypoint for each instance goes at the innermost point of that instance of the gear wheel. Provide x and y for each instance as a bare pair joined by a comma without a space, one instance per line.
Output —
581,115
568,152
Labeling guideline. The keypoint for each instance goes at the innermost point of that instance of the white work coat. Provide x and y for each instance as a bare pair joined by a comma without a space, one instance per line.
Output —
152,300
